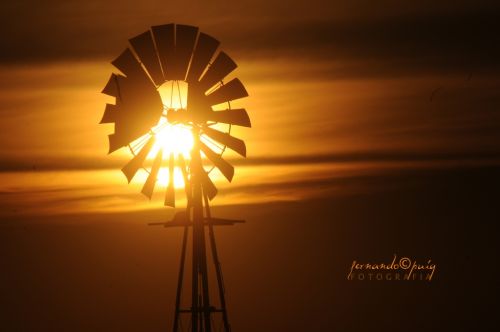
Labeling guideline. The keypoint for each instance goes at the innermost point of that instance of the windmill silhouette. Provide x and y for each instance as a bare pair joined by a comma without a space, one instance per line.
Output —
166,55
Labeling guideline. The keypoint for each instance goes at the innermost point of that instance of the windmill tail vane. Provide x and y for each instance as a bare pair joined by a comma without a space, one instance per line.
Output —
167,56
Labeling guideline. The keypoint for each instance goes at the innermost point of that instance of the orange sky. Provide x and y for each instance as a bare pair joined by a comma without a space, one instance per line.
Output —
325,81
375,132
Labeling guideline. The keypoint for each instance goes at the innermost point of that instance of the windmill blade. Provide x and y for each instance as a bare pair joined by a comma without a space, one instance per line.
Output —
184,44
227,92
145,49
138,104
208,186
170,194
231,142
138,108
221,67
109,114
225,168
128,64
150,183
205,49
131,168
237,116
114,143
111,88
182,166
164,36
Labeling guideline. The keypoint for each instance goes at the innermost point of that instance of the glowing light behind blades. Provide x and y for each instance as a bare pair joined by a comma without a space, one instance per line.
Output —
172,138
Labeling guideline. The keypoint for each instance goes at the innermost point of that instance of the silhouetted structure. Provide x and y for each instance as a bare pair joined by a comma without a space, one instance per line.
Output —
173,53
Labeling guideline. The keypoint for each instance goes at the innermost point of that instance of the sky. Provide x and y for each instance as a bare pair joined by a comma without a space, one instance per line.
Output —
375,131
329,82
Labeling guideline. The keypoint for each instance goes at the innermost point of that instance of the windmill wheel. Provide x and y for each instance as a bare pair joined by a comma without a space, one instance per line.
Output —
167,109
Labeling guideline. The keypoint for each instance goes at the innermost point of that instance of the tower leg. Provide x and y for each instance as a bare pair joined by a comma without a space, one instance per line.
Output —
220,281
180,279
218,270
194,280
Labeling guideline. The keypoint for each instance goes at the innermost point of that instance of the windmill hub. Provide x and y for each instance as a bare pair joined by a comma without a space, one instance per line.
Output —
175,116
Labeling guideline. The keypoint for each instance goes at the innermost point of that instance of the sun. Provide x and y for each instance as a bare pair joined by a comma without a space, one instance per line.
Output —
176,139
172,138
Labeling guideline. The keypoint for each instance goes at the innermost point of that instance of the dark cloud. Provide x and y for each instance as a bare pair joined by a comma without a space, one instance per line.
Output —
367,156
19,164
374,181
393,37
11,163
446,40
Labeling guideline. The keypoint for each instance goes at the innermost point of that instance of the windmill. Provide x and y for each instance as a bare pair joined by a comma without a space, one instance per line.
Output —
168,56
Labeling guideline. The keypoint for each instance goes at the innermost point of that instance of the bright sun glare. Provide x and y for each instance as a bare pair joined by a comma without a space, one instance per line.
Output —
172,138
